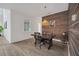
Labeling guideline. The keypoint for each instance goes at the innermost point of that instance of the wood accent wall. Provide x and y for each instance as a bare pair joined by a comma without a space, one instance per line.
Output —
61,24
64,23
74,30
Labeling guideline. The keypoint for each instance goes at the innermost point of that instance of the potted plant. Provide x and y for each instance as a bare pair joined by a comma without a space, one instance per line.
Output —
1,30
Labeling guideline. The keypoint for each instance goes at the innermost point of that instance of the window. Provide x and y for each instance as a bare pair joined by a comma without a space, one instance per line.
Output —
27,26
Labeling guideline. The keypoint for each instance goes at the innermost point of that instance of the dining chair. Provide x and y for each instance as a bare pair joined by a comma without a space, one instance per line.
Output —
48,40
38,39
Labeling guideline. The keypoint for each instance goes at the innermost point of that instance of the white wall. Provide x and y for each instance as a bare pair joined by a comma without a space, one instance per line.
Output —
7,17
1,20
1,17
17,27
37,24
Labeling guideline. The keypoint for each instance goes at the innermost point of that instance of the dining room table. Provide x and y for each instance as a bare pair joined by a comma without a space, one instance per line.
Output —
46,39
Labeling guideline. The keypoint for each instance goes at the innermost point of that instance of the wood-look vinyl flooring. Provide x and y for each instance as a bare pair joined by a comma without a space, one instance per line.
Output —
27,48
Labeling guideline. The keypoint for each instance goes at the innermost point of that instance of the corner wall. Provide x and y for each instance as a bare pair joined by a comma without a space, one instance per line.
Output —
7,18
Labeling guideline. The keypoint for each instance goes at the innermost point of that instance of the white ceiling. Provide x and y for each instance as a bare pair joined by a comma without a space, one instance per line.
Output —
36,9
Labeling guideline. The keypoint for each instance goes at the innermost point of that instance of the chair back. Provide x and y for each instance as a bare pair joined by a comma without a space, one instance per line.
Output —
37,35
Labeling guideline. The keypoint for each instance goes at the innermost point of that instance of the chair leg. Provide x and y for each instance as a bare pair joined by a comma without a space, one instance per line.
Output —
49,47
40,46
50,44
35,44
41,43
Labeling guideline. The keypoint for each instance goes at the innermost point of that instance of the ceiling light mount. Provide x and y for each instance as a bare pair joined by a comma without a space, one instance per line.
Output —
45,6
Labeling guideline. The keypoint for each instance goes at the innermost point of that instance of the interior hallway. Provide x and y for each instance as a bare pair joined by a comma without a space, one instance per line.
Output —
27,48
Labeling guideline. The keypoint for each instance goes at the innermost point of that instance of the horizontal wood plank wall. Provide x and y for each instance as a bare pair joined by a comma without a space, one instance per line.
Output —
61,24
74,30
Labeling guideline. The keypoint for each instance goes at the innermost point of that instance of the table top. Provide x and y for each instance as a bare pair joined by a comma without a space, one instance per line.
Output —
42,36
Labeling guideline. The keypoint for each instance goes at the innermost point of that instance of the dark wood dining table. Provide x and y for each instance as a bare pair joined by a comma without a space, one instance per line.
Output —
45,39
